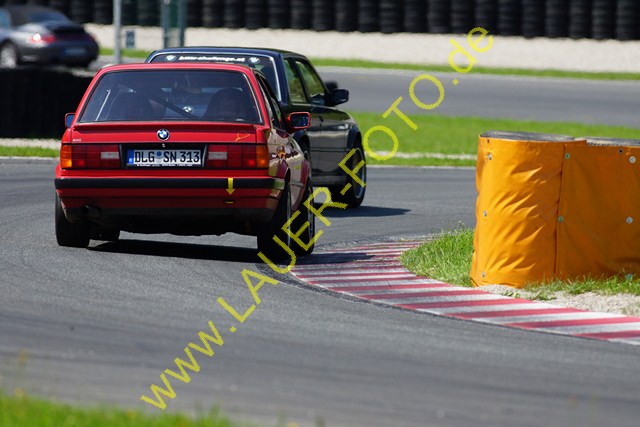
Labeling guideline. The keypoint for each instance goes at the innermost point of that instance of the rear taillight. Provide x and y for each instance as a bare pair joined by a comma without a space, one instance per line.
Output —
89,156
42,38
238,156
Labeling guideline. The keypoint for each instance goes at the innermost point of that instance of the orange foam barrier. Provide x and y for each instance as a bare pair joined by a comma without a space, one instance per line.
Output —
555,207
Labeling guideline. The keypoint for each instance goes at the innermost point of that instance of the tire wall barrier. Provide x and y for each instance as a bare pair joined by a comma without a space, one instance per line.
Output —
34,101
544,212
598,19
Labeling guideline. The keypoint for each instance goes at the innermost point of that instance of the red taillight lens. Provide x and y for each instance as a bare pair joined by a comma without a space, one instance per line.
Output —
238,156
42,38
93,156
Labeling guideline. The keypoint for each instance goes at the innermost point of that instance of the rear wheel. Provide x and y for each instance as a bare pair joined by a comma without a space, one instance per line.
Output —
352,193
266,241
8,56
70,234
306,215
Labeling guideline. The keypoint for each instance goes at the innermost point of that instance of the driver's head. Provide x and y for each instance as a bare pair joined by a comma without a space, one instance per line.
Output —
228,104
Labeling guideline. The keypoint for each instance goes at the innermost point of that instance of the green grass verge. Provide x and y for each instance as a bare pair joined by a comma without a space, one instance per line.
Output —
459,135
435,134
448,258
357,63
27,412
129,53
28,152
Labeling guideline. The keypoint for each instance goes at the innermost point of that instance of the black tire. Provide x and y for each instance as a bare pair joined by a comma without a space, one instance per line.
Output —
9,56
194,13
509,22
346,15
279,13
533,18
305,215
323,15
368,13
461,16
438,16
486,15
415,16
212,13
233,13
557,18
129,12
580,19
105,234
103,12
70,234
354,195
148,13
266,242
627,19
391,16
603,17
81,11
301,14
255,15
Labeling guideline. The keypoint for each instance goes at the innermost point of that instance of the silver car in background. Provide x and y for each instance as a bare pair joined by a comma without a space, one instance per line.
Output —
41,35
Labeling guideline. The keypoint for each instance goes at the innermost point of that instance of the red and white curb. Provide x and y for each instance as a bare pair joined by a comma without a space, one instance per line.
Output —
374,272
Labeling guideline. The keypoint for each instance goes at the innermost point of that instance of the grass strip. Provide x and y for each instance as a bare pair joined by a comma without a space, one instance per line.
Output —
14,151
22,411
359,63
447,257
435,134
459,135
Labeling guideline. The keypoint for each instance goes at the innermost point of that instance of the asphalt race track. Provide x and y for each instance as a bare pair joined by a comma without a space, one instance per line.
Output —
477,95
101,324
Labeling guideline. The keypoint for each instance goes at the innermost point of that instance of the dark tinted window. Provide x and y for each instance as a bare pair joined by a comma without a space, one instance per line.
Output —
262,63
312,82
181,95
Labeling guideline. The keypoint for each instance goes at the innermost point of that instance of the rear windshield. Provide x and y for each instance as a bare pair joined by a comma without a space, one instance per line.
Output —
26,14
262,63
172,95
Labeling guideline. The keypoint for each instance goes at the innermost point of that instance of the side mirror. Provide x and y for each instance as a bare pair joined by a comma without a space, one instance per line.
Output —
68,119
331,85
298,121
339,96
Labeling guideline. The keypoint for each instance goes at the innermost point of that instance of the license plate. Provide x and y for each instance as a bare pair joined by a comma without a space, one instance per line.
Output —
149,158
75,51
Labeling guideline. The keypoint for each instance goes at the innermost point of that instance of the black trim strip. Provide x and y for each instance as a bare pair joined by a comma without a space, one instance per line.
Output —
271,183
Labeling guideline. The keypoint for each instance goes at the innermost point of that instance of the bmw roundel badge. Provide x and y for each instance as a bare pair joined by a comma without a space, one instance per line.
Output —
163,134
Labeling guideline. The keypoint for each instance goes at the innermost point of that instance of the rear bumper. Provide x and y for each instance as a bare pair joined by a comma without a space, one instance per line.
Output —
171,205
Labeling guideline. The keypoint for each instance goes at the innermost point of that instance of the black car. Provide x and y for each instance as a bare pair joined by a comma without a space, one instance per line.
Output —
41,35
333,133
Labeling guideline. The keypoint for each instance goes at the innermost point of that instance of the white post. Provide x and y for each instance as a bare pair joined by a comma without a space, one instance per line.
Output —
117,29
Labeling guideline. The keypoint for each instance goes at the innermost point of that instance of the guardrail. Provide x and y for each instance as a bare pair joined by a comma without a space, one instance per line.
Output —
33,101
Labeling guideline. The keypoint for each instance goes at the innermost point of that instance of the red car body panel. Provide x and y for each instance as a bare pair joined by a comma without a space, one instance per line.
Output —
179,200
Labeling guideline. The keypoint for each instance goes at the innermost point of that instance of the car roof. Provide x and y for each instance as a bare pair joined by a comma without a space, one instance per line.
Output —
21,12
179,66
229,50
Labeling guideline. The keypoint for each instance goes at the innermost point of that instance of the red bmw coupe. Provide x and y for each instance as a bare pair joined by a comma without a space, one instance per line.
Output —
186,149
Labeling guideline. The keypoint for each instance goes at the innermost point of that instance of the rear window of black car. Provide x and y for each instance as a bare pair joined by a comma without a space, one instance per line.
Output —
262,63
175,95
